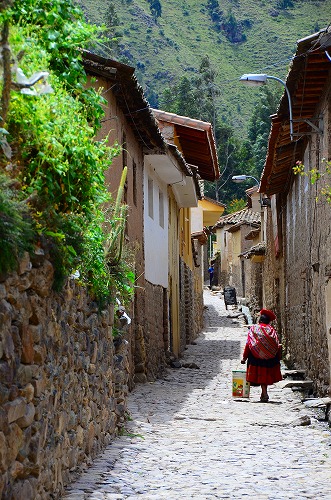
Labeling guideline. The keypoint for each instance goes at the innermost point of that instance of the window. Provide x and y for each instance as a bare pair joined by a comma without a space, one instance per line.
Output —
150,198
161,209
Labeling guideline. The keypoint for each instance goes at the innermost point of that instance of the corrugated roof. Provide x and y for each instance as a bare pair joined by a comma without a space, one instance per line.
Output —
306,82
245,216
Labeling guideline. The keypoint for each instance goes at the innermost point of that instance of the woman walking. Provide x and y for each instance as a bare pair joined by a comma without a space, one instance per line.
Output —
263,352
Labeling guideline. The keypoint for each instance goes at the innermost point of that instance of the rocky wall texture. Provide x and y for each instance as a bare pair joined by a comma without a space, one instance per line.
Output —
254,287
153,338
191,307
307,262
63,382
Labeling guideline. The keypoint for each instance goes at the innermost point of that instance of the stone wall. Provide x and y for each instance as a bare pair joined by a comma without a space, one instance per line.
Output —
63,382
191,306
306,261
153,338
273,281
254,287
295,281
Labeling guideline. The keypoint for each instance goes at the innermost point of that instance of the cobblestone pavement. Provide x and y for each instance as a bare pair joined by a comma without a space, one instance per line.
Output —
189,438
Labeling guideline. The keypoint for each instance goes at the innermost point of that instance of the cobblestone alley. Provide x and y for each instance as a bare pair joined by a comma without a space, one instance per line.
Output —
189,439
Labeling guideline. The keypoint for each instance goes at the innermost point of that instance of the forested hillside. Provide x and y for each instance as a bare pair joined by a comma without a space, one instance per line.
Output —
190,54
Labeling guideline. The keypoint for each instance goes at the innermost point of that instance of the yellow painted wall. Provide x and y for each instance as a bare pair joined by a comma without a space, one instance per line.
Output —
173,290
211,212
185,237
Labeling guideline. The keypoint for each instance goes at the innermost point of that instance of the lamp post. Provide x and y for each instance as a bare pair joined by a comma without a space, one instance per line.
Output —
256,80
243,178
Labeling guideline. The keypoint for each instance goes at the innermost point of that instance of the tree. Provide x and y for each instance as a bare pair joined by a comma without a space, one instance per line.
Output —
284,4
259,125
155,8
196,98
112,19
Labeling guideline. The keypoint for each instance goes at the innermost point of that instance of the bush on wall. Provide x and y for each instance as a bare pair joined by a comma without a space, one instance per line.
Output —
56,169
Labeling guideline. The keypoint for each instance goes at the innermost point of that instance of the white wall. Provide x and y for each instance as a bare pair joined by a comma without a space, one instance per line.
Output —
155,236
196,219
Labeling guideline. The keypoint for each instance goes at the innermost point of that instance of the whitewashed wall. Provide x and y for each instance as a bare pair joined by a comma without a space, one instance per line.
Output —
156,236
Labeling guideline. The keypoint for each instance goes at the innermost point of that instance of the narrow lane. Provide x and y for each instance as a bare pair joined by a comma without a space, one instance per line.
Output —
188,438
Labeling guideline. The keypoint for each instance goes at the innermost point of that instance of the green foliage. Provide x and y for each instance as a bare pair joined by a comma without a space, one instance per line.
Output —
16,228
56,162
235,205
259,125
97,270
155,7
315,174
59,28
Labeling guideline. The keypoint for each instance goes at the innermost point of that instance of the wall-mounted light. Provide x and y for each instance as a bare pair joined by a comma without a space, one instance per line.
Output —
256,80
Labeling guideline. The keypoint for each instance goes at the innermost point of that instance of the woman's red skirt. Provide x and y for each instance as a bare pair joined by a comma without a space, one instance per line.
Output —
263,375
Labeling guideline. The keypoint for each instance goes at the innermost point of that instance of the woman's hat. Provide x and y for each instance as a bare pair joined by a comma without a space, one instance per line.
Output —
268,313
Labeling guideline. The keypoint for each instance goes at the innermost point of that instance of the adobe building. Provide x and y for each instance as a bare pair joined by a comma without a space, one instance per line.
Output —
297,268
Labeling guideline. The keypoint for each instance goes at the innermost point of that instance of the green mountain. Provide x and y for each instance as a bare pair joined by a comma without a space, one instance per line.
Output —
167,39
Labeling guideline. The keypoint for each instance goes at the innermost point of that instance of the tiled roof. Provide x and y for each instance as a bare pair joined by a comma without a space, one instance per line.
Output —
245,216
215,202
258,249
197,142
131,100
307,81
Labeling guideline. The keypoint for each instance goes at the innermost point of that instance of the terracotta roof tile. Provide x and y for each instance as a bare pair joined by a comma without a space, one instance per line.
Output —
245,216
258,249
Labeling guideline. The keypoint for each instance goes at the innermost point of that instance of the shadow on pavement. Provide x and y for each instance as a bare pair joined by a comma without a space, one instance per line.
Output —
206,364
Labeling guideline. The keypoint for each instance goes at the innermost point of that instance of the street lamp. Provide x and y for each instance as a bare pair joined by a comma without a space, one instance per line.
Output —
256,80
242,178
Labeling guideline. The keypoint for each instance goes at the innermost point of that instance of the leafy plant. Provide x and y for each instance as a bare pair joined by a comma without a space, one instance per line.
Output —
16,227
56,162
235,205
315,175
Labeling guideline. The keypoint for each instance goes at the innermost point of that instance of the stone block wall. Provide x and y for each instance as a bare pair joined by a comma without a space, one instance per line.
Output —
190,303
154,333
63,382
254,287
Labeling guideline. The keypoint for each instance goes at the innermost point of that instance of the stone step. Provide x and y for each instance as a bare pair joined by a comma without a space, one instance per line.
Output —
303,384
297,374
317,402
